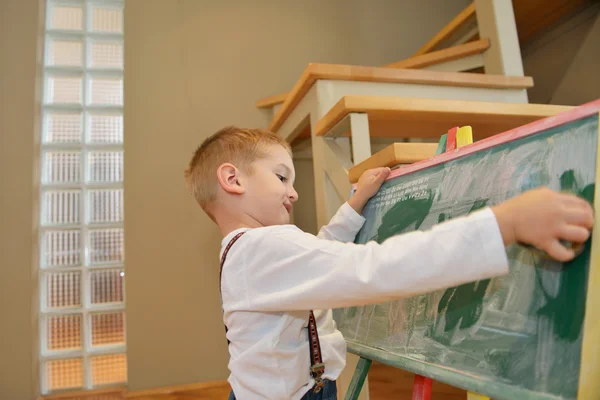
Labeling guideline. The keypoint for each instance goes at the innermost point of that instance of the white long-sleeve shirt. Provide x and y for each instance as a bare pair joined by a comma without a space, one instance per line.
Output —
274,275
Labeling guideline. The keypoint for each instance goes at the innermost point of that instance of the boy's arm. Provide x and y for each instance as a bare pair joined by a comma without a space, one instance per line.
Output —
344,225
348,220
289,275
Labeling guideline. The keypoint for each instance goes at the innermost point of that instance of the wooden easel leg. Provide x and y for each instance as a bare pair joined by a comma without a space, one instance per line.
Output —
358,379
422,388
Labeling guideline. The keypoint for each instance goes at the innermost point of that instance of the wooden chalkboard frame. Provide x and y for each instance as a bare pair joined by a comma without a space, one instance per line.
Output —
589,375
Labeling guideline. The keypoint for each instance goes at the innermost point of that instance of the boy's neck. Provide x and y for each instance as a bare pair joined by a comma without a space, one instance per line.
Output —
228,223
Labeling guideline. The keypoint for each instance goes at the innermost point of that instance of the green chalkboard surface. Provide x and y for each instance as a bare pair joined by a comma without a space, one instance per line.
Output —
514,337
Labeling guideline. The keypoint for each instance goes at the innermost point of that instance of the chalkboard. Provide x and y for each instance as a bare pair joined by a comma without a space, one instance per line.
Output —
515,337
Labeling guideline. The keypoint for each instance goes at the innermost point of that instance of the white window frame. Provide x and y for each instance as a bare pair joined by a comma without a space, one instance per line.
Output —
86,36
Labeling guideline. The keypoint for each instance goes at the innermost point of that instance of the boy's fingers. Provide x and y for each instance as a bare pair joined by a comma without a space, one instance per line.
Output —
383,173
580,216
573,199
578,202
575,233
559,252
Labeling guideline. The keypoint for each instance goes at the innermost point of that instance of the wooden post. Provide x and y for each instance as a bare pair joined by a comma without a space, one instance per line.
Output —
361,138
496,22
332,187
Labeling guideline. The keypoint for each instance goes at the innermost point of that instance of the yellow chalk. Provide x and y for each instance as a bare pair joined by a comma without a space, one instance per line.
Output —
464,136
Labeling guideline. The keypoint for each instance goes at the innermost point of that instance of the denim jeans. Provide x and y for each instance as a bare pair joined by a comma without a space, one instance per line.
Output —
329,392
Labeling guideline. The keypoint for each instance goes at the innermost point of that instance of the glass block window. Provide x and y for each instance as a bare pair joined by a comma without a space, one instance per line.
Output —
109,369
108,328
64,52
64,332
82,258
65,127
64,374
106,54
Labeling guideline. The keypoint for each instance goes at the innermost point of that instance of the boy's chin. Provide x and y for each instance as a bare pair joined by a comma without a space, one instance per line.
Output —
283,220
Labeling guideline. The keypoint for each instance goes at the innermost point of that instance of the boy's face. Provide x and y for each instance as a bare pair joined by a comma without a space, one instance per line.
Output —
269,188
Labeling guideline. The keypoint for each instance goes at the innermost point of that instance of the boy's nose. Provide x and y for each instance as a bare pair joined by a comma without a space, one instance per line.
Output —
293,195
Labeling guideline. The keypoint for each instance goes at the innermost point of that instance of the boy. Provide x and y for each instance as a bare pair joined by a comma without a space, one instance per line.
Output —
273,274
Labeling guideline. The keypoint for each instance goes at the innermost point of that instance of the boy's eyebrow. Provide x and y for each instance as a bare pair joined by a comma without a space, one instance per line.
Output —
285,167
289,171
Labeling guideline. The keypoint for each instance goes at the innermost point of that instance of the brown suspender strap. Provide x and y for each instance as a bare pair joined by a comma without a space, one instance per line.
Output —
317,367
223,257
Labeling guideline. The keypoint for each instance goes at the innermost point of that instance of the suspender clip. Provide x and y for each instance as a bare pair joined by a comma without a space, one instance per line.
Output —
316,372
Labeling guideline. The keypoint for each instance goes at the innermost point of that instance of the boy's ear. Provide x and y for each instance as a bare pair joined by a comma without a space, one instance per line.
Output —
230,179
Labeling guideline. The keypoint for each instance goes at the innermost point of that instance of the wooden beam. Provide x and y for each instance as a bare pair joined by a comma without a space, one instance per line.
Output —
391,75
271,100
414,117
393,155
445,55
436,57
447,31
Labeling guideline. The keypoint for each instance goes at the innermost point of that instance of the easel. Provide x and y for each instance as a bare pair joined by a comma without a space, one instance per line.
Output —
454,139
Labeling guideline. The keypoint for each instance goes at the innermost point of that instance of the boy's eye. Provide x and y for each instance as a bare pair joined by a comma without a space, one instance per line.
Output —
282,178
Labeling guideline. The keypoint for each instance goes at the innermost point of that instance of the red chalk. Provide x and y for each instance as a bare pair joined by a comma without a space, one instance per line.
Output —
451,140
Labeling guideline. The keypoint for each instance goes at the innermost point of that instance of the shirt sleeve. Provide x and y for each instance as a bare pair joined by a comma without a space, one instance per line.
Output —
289,275
344,225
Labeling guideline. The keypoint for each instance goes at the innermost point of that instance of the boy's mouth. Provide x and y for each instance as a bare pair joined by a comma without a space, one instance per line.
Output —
288,207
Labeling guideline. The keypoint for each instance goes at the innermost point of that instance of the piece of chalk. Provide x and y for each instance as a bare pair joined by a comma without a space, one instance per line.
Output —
464,136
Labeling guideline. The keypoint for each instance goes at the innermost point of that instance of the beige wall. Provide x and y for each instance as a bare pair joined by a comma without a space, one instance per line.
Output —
549,57
581,82
19,27
192,67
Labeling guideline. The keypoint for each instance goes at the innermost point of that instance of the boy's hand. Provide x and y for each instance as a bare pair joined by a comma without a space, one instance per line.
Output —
368,185
542,217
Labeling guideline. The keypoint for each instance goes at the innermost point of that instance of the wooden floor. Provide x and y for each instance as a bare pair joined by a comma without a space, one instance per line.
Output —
391,383
214,393
384,383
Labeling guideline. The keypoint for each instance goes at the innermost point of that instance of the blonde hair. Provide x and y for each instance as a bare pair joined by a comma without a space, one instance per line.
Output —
239,146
